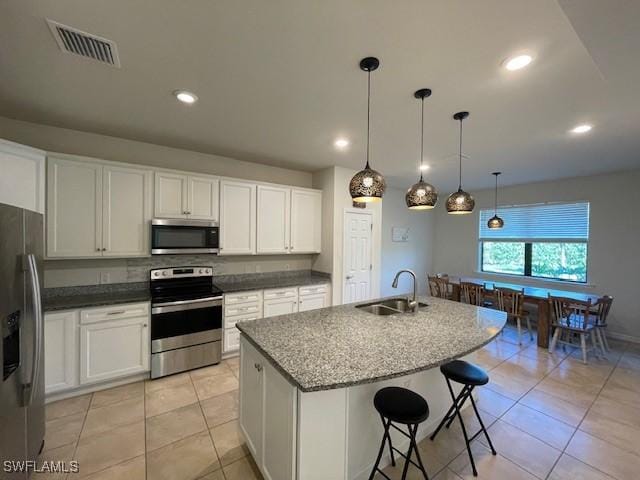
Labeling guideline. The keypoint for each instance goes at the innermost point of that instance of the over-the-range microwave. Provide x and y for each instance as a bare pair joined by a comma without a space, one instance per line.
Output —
176,236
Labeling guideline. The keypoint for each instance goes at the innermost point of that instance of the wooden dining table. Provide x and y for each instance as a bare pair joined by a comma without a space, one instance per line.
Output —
533,295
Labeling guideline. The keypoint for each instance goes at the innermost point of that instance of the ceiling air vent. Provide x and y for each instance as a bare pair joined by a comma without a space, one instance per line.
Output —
75,41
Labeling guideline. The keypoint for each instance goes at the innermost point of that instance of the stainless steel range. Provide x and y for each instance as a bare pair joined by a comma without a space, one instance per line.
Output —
186,320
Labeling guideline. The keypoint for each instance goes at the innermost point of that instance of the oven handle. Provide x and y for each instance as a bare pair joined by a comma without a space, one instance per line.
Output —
186,305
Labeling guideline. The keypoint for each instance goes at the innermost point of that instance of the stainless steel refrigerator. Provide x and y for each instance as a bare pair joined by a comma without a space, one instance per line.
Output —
22,349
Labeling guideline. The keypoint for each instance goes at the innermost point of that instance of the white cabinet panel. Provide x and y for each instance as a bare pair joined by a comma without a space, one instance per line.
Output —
251,398
74,208
112,349
306,221
231,341
22,178
203,197
273,219
170,195
60,351
243,297
126,211
237,218
273,308
312,302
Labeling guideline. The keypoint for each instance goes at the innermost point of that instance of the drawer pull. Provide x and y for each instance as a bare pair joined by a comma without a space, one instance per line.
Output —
119,312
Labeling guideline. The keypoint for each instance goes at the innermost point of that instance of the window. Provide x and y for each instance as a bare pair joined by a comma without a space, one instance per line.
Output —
543,241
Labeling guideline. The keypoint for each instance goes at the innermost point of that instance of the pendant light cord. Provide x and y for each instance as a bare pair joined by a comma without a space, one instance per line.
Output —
422,139
368,112
460,151
495,210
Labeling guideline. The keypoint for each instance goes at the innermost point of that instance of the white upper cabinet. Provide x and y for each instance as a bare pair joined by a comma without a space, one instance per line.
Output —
126,194
237,218
306,221
186,196
203,197
170,195
74,208
96,210
22,178
273,219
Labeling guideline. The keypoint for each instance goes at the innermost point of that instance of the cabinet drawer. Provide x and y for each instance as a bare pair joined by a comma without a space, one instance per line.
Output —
114,312
243,297
280,293
247,308
231,340
230,322
313,289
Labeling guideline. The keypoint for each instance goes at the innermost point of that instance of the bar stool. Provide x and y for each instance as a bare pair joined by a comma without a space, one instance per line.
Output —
470,376
399,405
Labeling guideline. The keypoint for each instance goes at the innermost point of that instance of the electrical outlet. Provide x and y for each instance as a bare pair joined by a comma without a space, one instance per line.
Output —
287,266
105,277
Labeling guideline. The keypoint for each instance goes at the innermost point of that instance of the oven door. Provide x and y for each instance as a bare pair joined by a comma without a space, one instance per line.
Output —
183,236
185,323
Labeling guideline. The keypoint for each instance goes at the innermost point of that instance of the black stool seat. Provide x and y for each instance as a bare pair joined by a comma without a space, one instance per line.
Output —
465,373
401,405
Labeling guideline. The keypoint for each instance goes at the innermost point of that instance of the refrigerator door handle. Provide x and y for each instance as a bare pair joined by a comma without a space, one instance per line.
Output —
39,326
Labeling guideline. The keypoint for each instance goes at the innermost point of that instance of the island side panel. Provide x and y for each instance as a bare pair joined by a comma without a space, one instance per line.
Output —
322,435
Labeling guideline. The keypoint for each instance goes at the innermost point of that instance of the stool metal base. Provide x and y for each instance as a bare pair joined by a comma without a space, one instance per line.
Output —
413,447
454,411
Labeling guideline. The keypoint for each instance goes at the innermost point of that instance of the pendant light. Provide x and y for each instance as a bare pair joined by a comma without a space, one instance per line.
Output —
367,185
495,222
460,202
421,195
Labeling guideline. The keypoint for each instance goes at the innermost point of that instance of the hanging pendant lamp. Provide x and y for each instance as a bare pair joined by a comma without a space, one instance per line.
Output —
421,195
460,202
367,185
495,222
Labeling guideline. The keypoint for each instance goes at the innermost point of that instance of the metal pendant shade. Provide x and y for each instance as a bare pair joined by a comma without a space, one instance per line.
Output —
495,222
460,202
367,185
421,195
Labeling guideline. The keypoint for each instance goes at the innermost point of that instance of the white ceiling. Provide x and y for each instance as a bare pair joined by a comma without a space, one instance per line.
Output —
278,81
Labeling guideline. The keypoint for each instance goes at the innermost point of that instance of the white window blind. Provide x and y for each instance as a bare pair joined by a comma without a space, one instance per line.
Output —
542,222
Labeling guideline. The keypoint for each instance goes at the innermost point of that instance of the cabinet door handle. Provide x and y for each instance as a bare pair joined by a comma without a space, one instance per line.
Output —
144,325
104,249
257,366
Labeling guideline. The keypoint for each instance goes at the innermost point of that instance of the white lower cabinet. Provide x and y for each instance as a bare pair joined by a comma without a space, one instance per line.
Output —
92,345
60,351
313,297
238,307
280,302
268,404
114,342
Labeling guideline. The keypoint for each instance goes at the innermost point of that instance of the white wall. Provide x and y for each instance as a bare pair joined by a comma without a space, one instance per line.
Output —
54,139
416,254
613,256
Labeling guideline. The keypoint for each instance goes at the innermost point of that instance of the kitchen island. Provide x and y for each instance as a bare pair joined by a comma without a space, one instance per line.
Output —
307,381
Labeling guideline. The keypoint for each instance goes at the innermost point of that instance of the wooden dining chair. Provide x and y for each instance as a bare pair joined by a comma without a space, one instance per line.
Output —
439,287
602,308
511,301
573,318
472,293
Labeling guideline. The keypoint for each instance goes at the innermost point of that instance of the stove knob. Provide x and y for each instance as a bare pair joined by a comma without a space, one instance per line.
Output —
200,271
165,273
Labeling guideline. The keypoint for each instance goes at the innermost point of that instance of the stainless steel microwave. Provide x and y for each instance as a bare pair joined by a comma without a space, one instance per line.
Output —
176,236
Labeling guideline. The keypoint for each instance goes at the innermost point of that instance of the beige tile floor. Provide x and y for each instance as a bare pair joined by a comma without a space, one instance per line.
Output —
549,416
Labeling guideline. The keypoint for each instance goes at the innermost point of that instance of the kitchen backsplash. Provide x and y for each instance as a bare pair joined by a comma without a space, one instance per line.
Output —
66,273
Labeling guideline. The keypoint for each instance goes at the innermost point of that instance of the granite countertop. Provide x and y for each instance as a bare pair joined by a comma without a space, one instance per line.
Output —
243,283
69,298
342,346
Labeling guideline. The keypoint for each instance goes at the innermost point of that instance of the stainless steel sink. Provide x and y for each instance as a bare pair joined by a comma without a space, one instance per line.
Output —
391,306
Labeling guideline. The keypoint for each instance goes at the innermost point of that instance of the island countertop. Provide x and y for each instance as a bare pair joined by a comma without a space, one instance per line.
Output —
342,346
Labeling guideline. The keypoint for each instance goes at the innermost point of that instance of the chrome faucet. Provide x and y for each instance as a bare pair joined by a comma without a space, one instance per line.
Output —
413,304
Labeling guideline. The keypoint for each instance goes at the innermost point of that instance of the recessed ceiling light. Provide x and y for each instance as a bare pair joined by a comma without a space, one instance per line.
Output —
186,97
341,143
581,128
517,62
424,167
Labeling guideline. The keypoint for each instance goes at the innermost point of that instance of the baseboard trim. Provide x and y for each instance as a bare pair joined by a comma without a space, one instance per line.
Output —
95,387
622,336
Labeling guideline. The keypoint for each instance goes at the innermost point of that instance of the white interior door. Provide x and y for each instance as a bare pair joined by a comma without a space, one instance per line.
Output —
356,256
